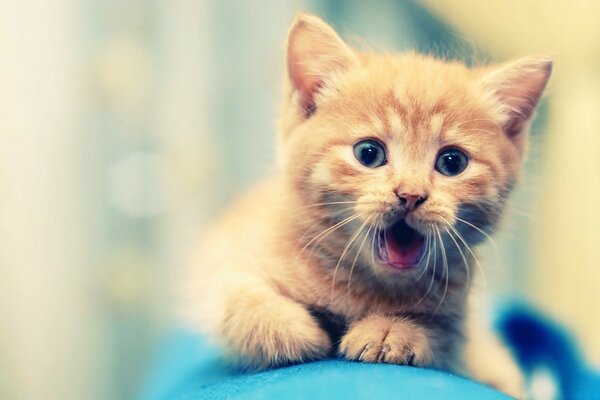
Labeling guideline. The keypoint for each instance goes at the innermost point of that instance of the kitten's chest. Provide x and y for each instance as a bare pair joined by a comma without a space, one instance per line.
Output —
353,304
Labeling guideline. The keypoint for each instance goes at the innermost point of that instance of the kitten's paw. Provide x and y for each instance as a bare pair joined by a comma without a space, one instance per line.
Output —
262,331
387,340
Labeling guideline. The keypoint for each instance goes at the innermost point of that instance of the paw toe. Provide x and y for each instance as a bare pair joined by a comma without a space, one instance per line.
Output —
386,340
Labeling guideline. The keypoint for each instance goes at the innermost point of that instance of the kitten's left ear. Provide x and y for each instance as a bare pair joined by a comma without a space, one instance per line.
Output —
315,52
515,89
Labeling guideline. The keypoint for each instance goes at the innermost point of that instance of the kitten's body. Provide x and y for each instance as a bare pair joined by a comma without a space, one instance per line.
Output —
293,271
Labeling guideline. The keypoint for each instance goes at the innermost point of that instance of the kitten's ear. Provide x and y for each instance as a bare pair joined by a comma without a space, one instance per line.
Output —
515,90
314,53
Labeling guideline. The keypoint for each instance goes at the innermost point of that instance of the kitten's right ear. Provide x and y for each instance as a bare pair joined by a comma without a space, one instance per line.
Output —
314,53
515,90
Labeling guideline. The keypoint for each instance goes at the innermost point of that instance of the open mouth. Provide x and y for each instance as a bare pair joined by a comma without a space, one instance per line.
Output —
400,246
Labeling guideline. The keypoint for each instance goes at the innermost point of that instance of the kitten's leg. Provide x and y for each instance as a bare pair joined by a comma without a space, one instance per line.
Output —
395,340
260,328
489,361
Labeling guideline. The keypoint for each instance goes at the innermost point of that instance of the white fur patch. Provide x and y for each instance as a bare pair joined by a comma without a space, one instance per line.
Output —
435,124
396,124
377,123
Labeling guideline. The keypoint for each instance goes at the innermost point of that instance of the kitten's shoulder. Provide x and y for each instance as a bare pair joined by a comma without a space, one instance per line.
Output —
258,203
248,220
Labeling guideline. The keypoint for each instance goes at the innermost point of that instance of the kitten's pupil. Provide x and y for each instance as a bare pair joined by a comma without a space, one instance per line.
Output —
370,153
451,162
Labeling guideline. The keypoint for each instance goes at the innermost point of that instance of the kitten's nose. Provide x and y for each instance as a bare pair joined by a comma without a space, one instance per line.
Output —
411,201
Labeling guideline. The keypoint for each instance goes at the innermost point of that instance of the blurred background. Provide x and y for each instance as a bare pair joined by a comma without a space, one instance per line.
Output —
126,125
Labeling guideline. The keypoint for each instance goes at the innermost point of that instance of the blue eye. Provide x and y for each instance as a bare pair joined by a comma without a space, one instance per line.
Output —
370,153
451,162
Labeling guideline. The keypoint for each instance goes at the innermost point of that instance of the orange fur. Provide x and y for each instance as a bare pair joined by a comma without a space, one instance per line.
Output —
301,245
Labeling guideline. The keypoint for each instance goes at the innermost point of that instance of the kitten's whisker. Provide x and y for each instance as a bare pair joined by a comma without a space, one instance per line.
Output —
434,268
428,249
482,207
459,236
356,258
489,238
462,255
331,203
325,213
322,221
478,229
446,270
373,237
354,237
330,229
376,234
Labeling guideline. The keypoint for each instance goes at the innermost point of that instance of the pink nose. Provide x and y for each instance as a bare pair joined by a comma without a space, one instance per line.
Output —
411,201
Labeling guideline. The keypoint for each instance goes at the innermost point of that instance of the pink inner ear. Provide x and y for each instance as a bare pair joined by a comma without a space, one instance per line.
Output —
307,102
514,126
305,83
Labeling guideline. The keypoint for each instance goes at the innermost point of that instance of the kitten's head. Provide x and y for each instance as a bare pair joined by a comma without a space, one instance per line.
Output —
401,153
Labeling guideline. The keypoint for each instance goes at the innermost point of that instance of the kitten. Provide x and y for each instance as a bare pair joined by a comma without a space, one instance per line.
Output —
391,169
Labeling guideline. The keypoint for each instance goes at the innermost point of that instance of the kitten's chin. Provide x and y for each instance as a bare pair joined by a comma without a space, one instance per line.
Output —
400,247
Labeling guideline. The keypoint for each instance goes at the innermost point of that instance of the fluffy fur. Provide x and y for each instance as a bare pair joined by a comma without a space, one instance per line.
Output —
289,274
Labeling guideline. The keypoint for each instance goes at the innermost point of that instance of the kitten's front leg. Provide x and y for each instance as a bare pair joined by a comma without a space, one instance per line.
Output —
394,340
261,328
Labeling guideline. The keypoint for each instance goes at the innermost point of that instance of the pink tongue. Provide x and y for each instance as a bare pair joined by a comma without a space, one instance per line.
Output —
405,255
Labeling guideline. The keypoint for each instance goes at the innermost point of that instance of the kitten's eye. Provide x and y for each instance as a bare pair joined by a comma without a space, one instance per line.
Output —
370,153
451,162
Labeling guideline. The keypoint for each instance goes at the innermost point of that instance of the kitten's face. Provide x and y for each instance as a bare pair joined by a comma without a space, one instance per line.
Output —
402,154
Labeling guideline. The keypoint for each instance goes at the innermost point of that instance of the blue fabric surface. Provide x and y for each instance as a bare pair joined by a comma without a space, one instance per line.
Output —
190,369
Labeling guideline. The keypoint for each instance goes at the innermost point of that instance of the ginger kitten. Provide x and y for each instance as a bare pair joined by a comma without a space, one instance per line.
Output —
392,169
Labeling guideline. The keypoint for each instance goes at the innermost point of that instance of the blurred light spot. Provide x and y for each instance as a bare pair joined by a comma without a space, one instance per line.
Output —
543,385
136,185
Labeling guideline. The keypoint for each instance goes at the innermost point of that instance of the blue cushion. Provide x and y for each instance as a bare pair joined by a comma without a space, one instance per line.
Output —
189,368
